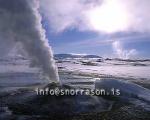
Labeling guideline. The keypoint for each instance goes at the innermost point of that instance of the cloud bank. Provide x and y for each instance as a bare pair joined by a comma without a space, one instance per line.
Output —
106,16
20,21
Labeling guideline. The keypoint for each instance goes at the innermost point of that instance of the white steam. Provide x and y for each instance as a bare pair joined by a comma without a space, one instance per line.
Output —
20,21
121,52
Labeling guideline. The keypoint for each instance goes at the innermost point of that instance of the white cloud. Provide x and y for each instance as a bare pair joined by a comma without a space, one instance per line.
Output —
63,14
98,15
109,17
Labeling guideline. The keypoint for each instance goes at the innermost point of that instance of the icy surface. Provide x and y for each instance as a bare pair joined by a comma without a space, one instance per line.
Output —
126,88
108,68
134,93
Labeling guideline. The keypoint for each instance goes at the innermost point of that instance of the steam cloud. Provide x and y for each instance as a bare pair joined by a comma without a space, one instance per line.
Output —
20,21
121,52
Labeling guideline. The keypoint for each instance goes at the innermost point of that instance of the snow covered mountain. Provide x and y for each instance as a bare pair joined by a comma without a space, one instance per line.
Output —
63,56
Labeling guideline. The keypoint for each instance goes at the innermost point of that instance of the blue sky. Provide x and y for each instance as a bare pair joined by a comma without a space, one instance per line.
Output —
73,41
107,28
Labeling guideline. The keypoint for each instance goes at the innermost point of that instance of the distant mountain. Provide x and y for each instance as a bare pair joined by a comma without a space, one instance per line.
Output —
91,56
63,56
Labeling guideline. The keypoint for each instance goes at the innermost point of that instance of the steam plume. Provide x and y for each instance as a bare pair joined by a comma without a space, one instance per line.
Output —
121,52
20,21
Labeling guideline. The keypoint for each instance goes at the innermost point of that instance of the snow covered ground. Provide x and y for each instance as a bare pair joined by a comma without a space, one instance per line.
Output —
18,81
132,70
17,71
112,73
